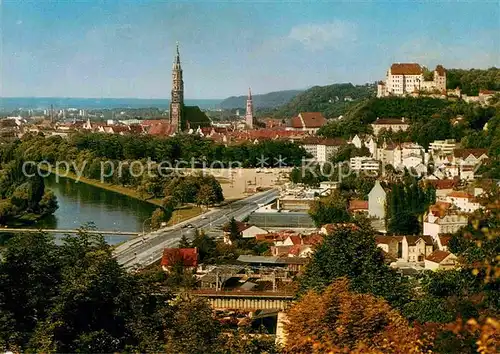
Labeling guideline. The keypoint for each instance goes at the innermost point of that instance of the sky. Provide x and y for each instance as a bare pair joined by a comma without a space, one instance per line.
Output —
125,48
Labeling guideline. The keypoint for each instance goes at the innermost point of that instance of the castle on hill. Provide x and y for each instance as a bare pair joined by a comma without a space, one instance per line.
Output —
404,79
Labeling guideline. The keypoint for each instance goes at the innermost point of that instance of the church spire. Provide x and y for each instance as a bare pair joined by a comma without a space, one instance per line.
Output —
249,110
177,95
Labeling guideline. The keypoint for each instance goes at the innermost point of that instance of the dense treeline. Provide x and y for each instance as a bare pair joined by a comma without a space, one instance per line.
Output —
430,119
267,100
23,197
332,100
147,164
473,80
186,148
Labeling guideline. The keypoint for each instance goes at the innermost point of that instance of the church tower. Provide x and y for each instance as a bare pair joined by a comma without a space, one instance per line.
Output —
177,99
249,112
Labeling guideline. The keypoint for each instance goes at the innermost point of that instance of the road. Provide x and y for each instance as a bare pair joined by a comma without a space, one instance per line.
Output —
143,251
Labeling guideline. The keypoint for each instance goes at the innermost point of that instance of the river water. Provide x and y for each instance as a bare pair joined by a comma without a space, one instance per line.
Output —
81,203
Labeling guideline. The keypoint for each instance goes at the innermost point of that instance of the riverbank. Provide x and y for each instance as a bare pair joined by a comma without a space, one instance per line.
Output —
181,214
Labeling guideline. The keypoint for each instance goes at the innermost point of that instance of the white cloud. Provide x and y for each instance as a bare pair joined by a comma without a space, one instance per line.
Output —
19,22
321,36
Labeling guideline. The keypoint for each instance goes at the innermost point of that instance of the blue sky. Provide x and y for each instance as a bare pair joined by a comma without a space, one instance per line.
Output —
125,48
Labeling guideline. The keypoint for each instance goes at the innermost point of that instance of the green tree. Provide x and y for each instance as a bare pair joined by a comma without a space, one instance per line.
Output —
331,209
234,232
184,242
351,252
160,216
194,328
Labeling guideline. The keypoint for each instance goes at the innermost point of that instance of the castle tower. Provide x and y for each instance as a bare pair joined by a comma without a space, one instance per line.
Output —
177,98
249,112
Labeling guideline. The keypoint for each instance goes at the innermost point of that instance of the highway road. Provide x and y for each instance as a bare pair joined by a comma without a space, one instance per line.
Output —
143,251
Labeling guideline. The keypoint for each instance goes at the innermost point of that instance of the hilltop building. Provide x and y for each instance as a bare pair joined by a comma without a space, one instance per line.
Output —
177,96
249,111
408,78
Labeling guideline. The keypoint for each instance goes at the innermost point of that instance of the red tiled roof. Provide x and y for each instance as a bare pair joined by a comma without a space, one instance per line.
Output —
438,256
460,194
464,153
412,240
386,240
314,140
406,69
188,257
443,183
296,239
162,129
444,239
308,120
358,205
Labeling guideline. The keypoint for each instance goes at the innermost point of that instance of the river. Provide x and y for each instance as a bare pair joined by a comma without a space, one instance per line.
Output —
81,203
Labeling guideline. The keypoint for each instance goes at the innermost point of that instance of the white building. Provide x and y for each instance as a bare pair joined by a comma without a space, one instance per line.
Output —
408,78
364,164
441,219
440,260
442,147
321,149
463,201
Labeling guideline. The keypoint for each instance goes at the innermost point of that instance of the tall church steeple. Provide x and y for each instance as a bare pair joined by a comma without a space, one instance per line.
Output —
177,98
249,111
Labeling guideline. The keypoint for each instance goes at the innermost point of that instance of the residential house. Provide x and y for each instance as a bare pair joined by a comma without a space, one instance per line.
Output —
440,260
443,187
467,160
416,248
392,245
245,231
187,257
321,149
443,219
377,201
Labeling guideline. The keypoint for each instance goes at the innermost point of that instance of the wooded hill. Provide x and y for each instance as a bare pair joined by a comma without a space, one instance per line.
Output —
268,100
331,100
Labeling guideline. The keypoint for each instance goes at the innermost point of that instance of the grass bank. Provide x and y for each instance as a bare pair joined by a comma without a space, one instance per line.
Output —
180,214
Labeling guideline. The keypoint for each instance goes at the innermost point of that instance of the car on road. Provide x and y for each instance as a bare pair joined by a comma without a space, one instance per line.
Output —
203,216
